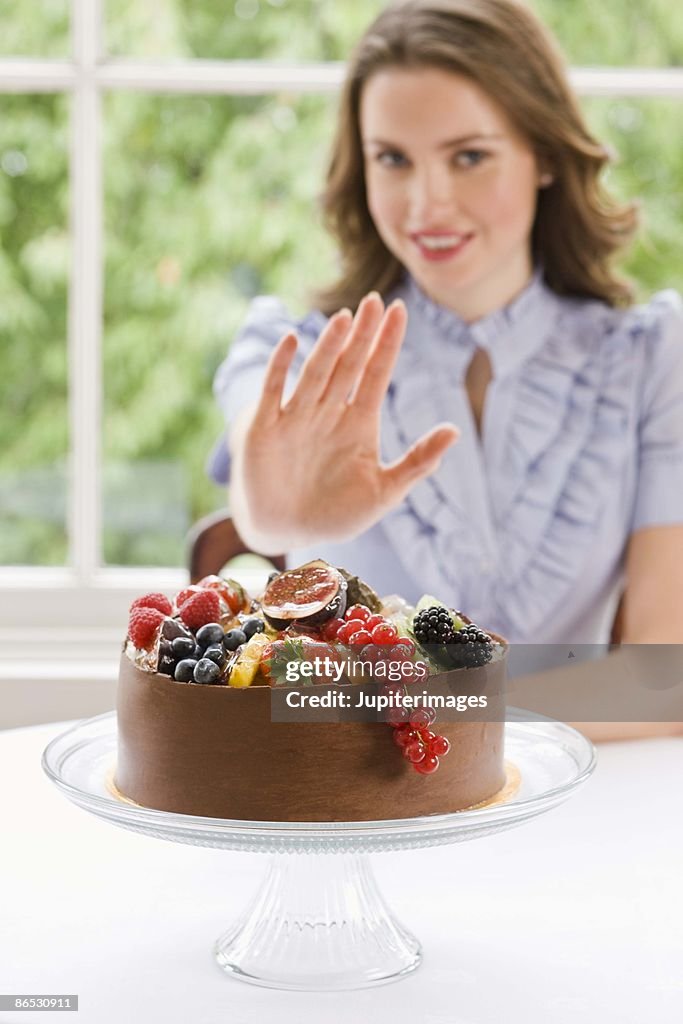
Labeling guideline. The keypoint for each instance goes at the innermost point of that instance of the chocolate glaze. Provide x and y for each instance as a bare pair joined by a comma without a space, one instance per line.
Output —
214,751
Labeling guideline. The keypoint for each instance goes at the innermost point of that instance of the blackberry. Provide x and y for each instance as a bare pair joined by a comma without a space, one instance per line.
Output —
468,647
472,647
434,626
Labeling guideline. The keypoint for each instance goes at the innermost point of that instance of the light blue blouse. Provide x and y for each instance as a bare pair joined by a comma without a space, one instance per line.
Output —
523,528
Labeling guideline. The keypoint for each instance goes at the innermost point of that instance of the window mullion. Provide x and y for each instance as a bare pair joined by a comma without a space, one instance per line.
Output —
85,294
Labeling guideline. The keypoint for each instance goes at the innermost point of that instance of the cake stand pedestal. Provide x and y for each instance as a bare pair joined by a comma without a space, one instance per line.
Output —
319,923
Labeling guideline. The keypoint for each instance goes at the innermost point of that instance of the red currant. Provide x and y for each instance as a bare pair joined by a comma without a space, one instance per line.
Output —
361,636
406,646
374,620
427,765
331,628
422,718
352,626
371,653
384,633
358,611
415,752
403,734
397,717
439,746
427,736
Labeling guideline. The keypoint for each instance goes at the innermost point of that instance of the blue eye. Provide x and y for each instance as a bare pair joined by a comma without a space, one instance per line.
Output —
478,154
391,158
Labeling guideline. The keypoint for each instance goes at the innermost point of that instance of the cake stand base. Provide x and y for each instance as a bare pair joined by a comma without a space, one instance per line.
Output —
318,923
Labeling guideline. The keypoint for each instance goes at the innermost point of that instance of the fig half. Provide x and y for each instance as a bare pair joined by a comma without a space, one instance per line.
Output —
310,595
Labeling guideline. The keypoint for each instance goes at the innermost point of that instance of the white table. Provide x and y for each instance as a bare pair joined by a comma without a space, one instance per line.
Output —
576,916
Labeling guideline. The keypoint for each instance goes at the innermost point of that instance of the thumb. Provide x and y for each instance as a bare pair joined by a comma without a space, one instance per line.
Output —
421,459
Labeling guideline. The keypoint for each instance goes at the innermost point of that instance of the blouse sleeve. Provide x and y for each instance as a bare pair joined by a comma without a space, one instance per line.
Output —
659,491
238,380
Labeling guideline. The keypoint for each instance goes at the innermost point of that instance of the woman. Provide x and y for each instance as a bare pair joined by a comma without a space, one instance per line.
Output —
497,423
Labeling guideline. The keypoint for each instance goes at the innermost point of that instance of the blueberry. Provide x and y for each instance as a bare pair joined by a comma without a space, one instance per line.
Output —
184,670
215,653
183,646
165,649
252,626
206,671
198,652
211,633
234,638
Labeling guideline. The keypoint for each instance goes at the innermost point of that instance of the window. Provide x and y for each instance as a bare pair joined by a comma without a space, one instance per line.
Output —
158,167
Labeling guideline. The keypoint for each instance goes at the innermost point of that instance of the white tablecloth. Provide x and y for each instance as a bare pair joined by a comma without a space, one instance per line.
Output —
577,915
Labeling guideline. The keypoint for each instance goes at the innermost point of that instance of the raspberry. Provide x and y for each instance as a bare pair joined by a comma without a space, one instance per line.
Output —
158,601
184,595
143,624
202,607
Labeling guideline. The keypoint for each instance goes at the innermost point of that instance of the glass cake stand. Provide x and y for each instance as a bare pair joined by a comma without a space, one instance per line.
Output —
319,923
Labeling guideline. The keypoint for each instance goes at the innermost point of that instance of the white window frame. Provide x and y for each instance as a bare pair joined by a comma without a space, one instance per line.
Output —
85,602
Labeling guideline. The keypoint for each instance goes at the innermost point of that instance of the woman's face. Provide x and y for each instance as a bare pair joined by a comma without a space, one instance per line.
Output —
451,186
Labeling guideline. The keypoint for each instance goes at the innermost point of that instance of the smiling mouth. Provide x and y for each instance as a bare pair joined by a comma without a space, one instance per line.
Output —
440,245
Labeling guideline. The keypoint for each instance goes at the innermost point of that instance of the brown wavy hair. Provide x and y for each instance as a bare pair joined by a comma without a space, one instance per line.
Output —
502,47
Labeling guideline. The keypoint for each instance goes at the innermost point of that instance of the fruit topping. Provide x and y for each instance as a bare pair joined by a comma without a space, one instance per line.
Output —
215,653
384,633
184,595
358,592
232,592
184,670
251,626
166,664
278,654
358,611
421,747
211,633
245,667
143,624
434,626
158,601
453,647
183,647
200,608
310,595
234,638
172,628
206,671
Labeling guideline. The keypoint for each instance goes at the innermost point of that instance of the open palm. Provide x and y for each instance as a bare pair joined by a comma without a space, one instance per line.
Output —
310,469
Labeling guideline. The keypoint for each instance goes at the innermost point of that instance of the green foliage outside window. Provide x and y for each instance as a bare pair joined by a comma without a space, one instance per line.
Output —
209,201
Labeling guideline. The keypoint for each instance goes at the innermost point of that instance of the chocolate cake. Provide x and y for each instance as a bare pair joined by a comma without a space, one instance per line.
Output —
211,748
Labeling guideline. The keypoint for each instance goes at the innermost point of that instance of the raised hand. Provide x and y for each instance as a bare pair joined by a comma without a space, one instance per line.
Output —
309,469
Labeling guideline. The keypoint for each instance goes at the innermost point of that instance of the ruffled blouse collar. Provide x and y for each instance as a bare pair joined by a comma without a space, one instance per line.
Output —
509,335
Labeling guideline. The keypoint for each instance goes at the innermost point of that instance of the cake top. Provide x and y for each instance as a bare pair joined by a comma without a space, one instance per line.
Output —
215,633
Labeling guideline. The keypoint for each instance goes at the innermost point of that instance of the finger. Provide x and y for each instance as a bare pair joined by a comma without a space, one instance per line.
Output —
274,381
420,461
376,375
352,358
319,364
